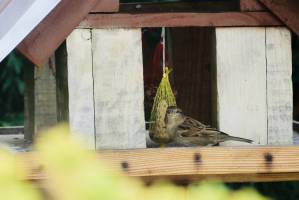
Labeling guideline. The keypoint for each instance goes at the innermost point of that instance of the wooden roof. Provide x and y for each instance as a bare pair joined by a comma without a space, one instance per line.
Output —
40,44
18,18
45,38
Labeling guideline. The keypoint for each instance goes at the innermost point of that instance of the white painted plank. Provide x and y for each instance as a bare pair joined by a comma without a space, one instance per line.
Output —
80,81
118,83
18,18
279,86
241,83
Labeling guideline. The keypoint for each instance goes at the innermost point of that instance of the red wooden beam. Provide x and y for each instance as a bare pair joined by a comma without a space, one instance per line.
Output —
286,10
106,6
41,43
180,20
251,5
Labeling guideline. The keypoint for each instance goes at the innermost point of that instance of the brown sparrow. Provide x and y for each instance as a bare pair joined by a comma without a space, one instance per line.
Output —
189,132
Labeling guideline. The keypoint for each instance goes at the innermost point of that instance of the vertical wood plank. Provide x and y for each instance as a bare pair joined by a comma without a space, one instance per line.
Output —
118,88
279,86
45,110
62,92
80,82
29,103
192,56
241,83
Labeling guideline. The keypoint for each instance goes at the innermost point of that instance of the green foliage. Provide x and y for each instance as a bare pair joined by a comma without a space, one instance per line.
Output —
12,119
12,89
74,173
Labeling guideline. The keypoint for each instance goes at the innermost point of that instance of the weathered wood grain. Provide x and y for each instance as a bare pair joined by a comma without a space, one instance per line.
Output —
29,102
12,130
279,86
286,10
62,92
241,83
179,20
192,55
179,6
118,88
80,84
41,43
45,111
230,164
251,5
106,6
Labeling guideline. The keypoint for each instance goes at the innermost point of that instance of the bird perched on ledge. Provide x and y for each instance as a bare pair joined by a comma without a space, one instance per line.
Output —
186,131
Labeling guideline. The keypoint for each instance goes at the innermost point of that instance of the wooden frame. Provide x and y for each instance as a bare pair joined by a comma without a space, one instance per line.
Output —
68,15
226,19
230,164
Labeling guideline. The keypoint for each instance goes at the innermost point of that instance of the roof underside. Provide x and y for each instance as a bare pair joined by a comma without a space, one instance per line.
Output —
18,19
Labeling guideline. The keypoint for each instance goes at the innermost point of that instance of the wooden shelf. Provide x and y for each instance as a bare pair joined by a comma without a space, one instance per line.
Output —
230,164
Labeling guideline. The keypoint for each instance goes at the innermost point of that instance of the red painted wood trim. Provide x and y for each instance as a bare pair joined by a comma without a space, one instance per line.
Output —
180,20
106,6
251,5
286,10
41,43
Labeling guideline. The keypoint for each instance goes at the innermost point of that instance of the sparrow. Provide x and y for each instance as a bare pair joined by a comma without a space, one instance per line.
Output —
186,131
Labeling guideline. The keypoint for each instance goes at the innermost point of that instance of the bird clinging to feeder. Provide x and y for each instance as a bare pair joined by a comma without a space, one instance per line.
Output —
186,131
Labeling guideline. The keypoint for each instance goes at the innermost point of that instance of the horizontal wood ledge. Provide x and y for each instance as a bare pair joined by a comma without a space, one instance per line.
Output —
230,164
225,19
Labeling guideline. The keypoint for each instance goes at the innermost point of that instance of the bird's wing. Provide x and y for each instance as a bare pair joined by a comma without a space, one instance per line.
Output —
191,127
204,133
194,128
192,123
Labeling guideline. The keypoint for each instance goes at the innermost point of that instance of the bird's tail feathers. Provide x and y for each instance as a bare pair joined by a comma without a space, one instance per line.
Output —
239,139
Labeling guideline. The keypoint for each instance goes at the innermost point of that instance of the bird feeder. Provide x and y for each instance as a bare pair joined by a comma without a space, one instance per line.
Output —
245,75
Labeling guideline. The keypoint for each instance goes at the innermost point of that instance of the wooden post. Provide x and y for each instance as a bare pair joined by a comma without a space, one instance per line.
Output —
254,84
29,103
118,88
45,96
62,93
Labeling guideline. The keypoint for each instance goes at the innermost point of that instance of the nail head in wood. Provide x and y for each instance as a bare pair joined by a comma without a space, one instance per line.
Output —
268,158
197,158
125,166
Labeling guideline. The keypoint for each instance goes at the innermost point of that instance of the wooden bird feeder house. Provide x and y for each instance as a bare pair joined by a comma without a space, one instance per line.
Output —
232,63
